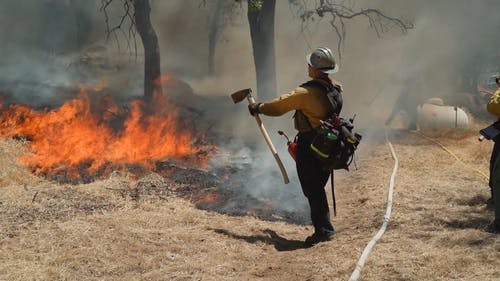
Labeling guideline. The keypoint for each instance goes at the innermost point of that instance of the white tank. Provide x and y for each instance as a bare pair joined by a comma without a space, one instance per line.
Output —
433,114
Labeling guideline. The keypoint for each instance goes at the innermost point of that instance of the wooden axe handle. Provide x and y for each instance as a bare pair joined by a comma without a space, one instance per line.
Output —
251,100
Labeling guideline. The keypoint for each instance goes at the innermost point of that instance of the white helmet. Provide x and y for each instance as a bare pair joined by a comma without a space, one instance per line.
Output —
322,59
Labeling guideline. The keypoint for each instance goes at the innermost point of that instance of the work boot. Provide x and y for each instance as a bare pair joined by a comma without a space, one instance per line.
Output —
317,237
494,227
490,202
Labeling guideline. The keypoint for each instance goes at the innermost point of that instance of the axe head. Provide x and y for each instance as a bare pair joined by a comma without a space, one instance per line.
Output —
241,95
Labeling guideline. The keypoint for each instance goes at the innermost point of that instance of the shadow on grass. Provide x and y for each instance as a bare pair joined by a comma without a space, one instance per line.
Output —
480,223
476,217
272,238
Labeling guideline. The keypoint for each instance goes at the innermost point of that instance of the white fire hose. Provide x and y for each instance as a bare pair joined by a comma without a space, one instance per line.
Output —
359,266
361,262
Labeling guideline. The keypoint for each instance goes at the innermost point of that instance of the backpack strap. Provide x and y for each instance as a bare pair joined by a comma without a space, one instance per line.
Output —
332,179
333,93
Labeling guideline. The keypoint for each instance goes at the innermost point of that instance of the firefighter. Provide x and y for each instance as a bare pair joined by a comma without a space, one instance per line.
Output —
493,107
311,105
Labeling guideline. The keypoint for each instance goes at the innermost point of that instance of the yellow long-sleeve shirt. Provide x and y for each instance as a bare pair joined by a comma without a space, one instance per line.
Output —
310,100
493,105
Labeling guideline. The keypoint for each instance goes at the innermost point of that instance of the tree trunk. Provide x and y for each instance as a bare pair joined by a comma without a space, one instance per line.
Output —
261,20
149,39
213,36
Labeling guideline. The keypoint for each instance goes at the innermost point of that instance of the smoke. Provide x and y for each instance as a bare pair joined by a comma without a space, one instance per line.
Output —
51,47
257,184
450,39
449,36
44,42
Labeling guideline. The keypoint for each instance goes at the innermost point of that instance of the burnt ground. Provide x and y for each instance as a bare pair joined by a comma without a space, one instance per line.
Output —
169,226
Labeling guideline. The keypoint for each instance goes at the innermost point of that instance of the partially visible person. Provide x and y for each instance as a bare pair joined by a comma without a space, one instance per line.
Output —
493,107
407,101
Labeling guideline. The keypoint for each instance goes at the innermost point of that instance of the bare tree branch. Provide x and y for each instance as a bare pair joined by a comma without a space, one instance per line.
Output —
127,16
339,11
136,13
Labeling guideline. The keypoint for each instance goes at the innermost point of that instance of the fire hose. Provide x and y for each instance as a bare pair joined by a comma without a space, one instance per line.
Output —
359,266
361,262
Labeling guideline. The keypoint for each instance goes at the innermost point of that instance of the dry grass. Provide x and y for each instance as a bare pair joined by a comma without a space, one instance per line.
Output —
127,229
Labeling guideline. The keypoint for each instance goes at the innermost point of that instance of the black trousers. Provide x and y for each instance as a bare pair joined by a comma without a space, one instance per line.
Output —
312,180
494,155
494,183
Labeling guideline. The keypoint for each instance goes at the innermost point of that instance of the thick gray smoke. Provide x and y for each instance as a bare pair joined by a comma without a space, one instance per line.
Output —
450,39
49,46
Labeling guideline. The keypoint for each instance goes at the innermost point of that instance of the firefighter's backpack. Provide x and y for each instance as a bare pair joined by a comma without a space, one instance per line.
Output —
335,142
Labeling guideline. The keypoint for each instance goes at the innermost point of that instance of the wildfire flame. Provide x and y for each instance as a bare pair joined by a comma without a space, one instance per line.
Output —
93,131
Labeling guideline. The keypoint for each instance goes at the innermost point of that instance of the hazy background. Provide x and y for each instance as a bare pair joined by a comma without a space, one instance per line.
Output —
450,38
42,39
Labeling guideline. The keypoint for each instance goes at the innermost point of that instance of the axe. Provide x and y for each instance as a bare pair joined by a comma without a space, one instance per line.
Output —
247,93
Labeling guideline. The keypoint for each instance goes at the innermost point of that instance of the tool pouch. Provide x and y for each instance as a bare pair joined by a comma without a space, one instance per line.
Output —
335,147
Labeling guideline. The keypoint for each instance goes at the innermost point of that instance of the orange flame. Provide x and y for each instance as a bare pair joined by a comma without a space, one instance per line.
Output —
83,130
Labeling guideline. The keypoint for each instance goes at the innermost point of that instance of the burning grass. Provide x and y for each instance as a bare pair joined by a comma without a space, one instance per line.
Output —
90,136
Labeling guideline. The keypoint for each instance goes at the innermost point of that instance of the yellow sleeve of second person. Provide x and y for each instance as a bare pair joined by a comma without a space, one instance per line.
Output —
287,102
493,105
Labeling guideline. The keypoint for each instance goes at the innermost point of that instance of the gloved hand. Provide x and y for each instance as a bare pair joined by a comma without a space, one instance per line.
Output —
254,108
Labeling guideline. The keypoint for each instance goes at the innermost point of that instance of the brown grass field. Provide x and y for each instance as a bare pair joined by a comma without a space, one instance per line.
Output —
124,228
